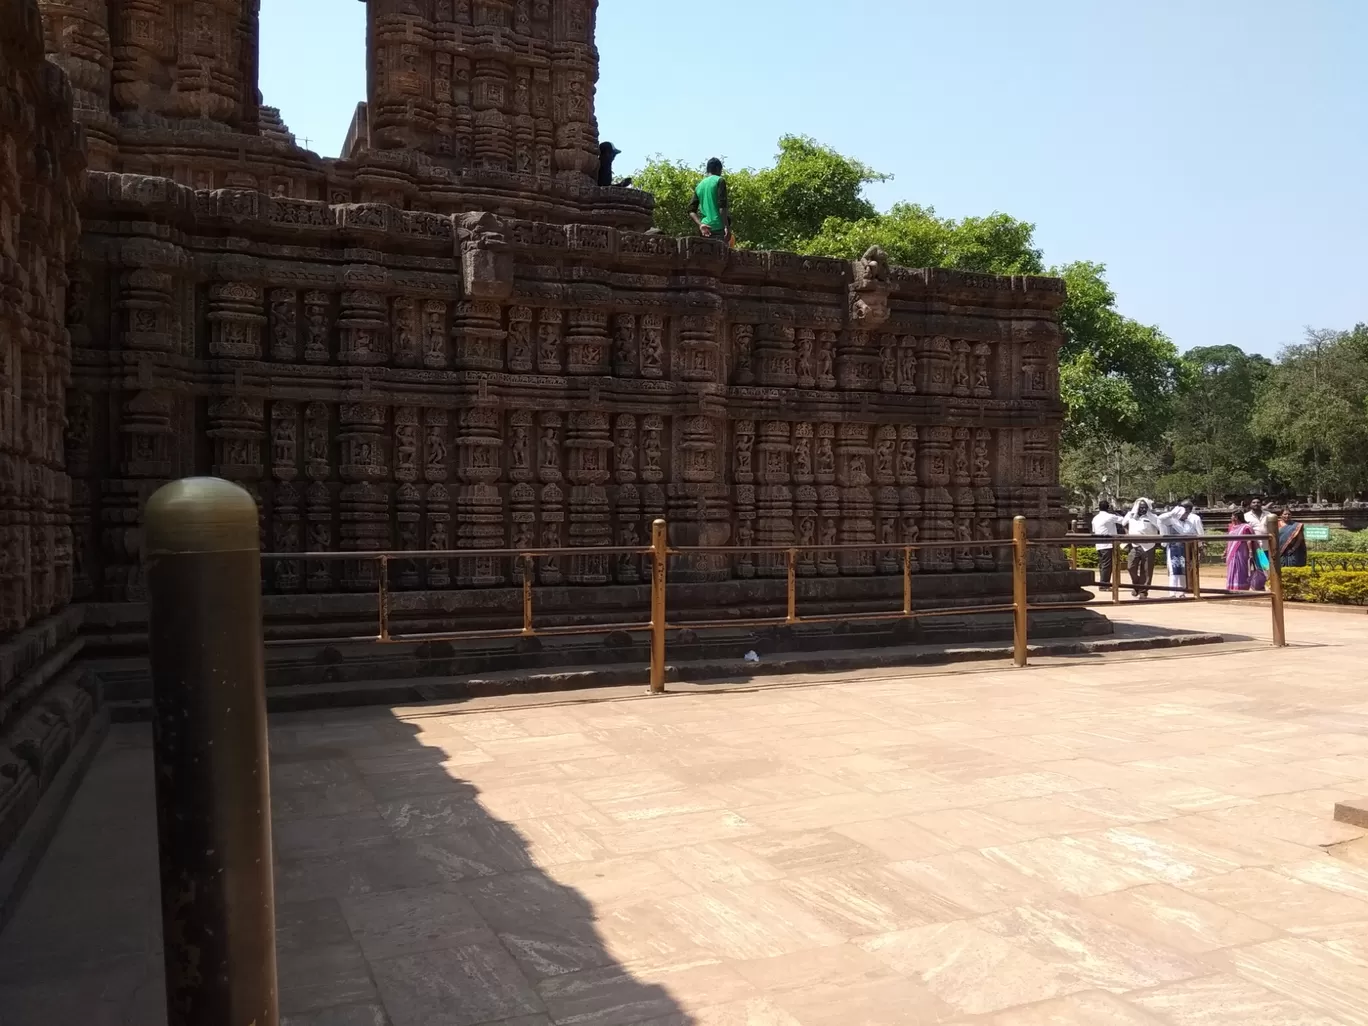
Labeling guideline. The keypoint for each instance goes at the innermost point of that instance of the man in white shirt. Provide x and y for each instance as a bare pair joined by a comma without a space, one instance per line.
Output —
1141,522
1264,521
1105,522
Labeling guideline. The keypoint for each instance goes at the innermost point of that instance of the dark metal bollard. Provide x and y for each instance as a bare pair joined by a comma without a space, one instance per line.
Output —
213,786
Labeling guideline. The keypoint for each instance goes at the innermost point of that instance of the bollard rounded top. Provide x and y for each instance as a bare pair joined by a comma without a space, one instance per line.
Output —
200,514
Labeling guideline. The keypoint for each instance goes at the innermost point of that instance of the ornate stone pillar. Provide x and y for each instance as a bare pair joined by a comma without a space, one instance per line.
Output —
552,496
363,325
828,498
743,476
653,447
404,331
857,502
626,356
284,322
235,320
521,355
627,504
774,500
985,502
318,468
286,514
586,342
479,508
589,446
857,363
909,495
937,503
776,355
653,356
886,496
477,336
935,366
364,499
549,360
437,499
699,353
407,498
522,496
805,497
964,498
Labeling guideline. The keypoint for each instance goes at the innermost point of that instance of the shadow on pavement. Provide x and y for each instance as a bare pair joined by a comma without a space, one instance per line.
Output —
400,899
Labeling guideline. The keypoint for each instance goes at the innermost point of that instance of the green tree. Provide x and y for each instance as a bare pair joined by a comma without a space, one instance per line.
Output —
1314,412
1118,377
1214,451
812,201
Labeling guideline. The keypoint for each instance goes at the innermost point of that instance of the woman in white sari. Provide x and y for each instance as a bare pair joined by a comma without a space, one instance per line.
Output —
1180,520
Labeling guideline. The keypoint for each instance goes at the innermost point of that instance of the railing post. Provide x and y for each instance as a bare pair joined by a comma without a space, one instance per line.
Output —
1116,573
792,586
1275,590
384,598
659,554
527,563
1073,556
1196,551
907,580
203,565
1019,590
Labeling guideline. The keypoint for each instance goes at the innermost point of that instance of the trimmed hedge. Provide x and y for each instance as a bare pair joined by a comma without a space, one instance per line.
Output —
1323,561
1337,587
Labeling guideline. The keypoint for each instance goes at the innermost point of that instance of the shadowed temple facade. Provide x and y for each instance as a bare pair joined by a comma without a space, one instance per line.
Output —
449,338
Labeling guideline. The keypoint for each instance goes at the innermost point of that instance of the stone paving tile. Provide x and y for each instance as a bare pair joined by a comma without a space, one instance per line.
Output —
1143,841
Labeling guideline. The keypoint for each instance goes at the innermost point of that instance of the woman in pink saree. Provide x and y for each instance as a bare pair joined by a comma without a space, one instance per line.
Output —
1239,554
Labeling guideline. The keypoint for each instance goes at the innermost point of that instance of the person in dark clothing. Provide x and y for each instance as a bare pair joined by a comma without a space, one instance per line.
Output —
710,209
607,154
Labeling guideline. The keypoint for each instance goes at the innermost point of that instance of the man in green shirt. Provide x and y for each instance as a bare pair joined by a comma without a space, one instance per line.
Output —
709,208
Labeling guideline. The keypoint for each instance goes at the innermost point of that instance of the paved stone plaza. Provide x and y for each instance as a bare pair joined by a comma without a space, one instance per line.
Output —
1128,841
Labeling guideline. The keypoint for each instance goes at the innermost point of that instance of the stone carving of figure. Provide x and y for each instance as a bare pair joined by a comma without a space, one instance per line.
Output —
518,446
436,452
911,531
434,334
406,452
883,459
807,530
982,386
548,348
826,458
829,532
650,451
961,460
960,368
872,267
520,341
744,336
806,378
652,348
826,357
907,458
907,372
982,466
316,343
802,457
745,444
550,448
888,366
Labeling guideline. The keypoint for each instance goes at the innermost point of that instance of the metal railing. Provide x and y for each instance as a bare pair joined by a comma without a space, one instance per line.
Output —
660,553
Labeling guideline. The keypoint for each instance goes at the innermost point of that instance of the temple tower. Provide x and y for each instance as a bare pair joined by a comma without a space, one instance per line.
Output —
485,85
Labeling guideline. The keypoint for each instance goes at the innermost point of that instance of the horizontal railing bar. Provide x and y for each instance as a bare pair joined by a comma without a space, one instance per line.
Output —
414,554
515,632
995,543
1142,539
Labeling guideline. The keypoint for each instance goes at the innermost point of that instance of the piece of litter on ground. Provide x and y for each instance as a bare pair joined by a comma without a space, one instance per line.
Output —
752,657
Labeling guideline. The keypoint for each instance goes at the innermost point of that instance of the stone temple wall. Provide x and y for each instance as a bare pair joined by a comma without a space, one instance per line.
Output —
382,378
42,711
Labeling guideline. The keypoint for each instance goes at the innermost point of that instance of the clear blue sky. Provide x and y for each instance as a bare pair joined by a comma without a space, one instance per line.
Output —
1212,153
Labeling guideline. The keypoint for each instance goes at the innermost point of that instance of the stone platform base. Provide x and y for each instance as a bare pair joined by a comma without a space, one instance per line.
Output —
323,640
